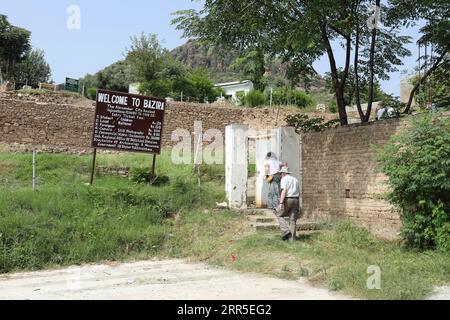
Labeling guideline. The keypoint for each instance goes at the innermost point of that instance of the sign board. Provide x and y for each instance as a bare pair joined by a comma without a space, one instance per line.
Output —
128,122
72,85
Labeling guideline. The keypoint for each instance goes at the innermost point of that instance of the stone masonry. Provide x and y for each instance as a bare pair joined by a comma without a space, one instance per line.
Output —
340,177
70,127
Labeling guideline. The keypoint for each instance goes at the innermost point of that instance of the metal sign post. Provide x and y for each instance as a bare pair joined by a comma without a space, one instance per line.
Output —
153,166
34,170
94,158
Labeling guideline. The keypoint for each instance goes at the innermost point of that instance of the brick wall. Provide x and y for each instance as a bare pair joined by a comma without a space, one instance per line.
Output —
340,177
61,126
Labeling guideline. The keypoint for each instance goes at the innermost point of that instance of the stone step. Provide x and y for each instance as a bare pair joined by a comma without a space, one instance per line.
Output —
263,219
257,212
271,226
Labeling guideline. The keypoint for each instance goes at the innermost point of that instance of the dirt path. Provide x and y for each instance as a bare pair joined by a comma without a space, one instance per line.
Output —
148,280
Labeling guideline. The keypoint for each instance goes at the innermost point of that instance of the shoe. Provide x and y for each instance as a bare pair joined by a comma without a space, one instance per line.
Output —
286,236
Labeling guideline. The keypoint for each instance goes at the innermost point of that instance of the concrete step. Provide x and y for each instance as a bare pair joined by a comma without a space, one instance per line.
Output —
271,226
262,219
257,212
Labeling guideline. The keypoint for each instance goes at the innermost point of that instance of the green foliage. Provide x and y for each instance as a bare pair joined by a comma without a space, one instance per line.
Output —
302,123
65,222
349,89
288,96
32,69
390,101
417,163
157,74
145,57
156,88
251,66
15,44
91,93
143,175
253,98
301,34
115,77
337,257
193,84
437,86
333,107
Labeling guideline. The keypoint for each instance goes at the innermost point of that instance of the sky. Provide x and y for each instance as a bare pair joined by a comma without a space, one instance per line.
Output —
105,29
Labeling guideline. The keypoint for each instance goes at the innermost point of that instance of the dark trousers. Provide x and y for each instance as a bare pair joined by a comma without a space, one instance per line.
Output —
287,218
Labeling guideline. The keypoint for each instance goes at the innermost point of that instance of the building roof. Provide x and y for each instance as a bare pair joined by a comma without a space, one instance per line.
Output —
234,83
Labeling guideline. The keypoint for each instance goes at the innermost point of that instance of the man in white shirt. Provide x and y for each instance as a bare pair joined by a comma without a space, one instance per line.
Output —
289,208
272,165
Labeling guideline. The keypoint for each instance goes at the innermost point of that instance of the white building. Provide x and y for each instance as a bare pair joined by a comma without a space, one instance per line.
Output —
232,88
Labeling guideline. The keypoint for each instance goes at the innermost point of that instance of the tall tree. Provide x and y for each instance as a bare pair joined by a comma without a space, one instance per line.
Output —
33,69
14,44
145,57
300,30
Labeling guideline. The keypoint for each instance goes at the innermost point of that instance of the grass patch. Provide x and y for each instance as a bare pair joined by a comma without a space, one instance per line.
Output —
66,222
337,258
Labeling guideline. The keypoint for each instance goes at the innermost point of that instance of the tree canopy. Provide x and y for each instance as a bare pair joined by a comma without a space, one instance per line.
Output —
15,43
302,31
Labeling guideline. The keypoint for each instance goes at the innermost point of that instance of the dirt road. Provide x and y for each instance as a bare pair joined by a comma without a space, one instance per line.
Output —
149,280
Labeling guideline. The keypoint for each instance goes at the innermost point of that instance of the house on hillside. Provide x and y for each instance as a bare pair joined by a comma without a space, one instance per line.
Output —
233,88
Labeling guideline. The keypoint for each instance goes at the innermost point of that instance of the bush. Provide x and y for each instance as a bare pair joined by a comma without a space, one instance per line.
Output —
143,175
417,163
333,107
302,123
285,96
254,98
91,93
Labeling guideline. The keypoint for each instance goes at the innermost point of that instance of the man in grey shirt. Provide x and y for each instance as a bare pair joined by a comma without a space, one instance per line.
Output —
289,209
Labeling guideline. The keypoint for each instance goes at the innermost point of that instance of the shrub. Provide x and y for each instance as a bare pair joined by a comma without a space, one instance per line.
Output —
302,123
254,98
333,107
91,93
417,163
285,96
142,175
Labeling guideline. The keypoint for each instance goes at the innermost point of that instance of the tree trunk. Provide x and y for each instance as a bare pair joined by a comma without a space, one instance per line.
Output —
371,67
339,90
357,87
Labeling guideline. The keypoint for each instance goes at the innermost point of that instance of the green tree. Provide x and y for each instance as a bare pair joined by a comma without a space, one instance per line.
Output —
301,32
115,77
32,69
251,66
145,57
15,43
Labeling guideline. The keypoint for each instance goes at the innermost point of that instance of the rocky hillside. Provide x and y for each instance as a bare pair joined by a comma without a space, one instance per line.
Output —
217,61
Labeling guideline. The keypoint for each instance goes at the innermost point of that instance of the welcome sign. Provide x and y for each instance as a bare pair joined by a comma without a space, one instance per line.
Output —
128,122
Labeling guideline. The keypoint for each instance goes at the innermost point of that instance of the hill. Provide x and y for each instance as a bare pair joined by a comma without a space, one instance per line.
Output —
217,62
193,54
